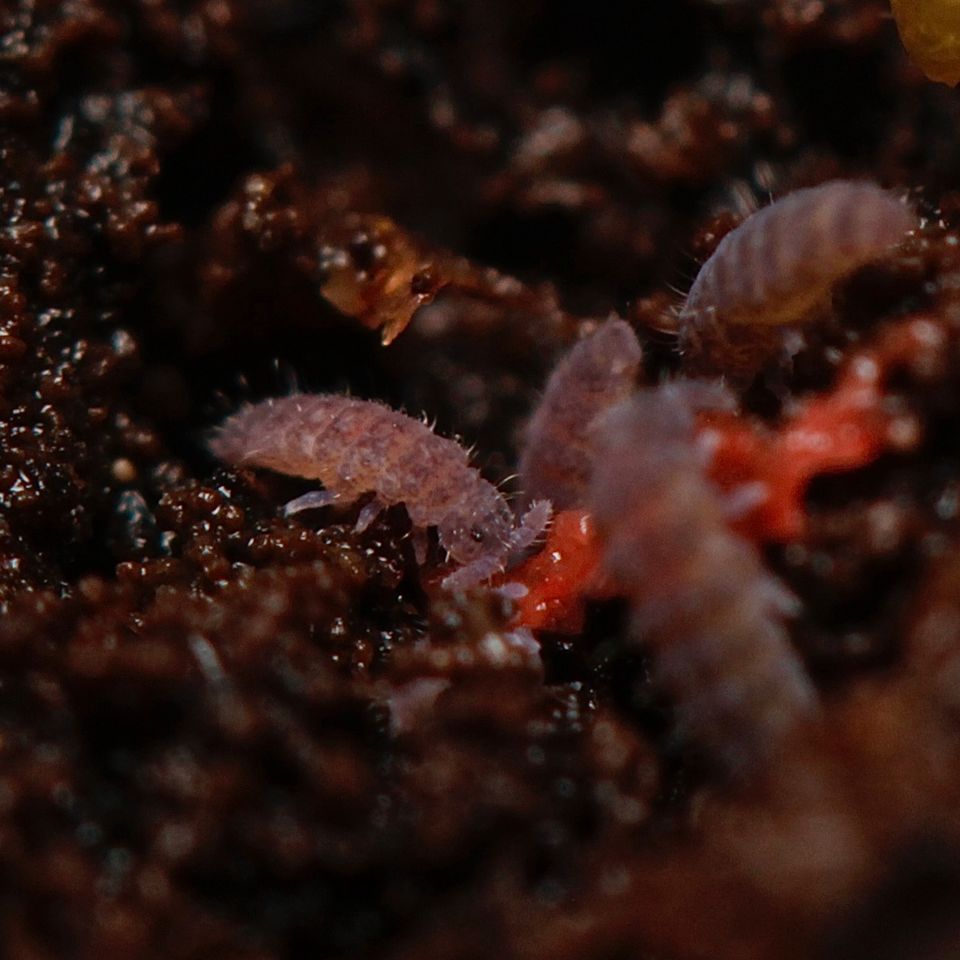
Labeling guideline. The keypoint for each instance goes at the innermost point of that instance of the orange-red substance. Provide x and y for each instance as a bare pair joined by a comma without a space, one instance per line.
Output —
561,577
843,428
840,430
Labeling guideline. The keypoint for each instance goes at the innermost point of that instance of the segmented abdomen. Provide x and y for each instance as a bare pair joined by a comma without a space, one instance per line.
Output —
782,263
597,373
352,447
701,599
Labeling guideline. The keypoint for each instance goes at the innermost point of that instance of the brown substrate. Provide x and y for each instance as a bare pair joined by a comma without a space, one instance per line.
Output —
226,734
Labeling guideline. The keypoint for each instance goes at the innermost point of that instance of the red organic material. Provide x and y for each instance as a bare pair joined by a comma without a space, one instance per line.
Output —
226,734
561,576
843,428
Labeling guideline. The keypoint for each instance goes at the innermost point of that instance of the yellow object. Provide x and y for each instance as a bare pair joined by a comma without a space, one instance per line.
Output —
930,30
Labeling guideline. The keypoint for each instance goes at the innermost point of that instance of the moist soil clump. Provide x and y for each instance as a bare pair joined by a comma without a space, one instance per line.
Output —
227,733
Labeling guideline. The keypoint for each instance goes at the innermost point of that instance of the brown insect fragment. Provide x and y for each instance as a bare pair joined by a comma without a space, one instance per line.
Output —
559,451
355,447
372,269
778,269
701,599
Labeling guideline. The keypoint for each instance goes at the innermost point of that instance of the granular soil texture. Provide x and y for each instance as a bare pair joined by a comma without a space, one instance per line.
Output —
224,733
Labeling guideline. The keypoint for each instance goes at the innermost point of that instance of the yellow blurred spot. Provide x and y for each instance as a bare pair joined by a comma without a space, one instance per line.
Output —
930,30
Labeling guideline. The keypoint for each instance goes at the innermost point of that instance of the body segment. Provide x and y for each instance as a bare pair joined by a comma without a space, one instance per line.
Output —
356,446
779,268
700,597
559,451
